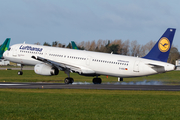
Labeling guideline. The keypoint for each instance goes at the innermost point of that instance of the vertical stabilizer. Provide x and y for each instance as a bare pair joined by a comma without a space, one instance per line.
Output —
74,46
4,46
161,49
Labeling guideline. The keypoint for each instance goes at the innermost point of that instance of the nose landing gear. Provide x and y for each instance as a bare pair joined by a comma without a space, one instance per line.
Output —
20,72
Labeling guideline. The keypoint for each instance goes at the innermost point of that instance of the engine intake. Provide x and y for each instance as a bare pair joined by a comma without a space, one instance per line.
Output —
45,69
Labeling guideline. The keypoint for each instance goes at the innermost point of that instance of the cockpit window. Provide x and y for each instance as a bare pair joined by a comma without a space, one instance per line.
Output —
9,49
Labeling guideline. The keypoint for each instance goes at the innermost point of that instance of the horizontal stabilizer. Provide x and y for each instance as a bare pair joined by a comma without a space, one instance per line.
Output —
155,65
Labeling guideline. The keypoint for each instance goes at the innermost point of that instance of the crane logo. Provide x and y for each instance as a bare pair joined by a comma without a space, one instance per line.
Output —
164,44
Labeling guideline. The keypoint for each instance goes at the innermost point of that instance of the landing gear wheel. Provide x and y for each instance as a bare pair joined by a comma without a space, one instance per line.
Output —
20,73
68,80
97,81
121,79
72,80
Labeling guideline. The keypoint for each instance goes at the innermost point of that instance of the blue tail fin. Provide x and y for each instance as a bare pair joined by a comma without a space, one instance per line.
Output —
4,46
74,46
161,49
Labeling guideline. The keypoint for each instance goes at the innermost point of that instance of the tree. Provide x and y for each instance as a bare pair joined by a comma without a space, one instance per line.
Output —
92,46
142,51
116,42
46,44
37,43
69,45
114,48
149,46
125,48
81,45
173,55
59,45
134,47
55,43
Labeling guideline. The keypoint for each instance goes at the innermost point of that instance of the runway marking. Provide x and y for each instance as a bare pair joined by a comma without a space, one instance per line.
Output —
12,84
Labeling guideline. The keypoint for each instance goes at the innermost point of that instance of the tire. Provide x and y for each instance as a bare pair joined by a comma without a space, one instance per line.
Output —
94,80
97,81
20,73
71,80
66,80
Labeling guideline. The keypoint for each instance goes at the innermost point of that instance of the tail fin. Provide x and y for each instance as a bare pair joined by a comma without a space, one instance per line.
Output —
74,46
161,49
4,46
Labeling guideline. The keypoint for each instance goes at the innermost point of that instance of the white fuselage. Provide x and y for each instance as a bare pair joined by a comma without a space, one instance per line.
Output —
88,62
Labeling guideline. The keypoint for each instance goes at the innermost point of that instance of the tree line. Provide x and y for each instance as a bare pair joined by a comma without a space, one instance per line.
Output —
118,46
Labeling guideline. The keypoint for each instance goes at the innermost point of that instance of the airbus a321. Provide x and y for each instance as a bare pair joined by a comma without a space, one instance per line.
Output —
49,60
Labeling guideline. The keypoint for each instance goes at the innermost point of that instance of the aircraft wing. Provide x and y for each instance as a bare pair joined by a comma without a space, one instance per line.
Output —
64,66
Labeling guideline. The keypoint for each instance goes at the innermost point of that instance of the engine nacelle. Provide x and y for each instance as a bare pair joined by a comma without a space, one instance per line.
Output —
45,69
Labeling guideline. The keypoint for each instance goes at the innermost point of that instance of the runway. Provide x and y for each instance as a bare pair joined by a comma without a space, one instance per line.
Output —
89,86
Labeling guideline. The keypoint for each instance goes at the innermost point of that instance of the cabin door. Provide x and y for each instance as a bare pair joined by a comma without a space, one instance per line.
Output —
15,52
136,66
88,59
46,55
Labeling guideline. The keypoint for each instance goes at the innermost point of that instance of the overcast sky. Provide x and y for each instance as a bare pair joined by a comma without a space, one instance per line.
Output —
87,20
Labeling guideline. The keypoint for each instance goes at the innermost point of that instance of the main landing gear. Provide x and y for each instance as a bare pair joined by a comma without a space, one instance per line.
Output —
68,80
120,79
20,72
97,80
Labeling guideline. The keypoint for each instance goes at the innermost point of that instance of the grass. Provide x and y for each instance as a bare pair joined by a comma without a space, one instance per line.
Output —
172,77
8,66
66,104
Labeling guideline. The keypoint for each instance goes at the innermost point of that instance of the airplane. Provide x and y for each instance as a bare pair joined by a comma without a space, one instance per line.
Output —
4,47
49,60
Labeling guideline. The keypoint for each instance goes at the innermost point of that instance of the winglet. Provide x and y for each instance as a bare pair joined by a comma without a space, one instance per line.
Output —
161,49
4,46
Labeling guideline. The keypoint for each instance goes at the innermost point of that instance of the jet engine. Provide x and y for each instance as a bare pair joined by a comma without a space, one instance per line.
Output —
45,69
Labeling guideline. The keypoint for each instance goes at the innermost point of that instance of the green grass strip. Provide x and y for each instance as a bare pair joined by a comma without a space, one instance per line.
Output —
172,77
66,104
